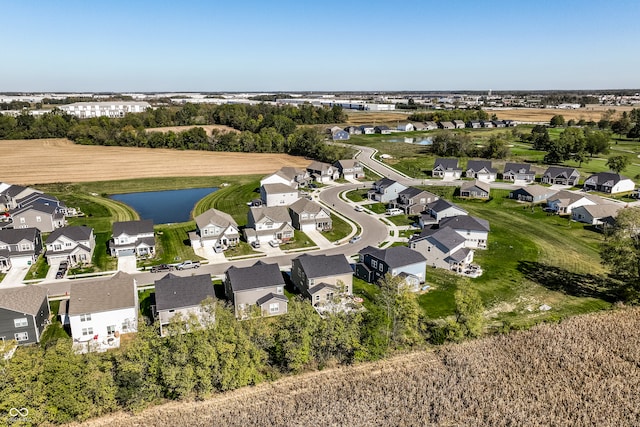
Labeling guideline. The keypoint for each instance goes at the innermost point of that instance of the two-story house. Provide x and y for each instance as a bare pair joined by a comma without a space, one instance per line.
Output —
561,175
133,238
19,247
293,177
278,194
385,190
323,172
443,248
307,215
518,172
481,170
215,229
73,244
441,208
374,263
268,223
413,201
474,230
350,168
322,277
608,182
256,291
446,169
184,297
10,195
45,217
24,314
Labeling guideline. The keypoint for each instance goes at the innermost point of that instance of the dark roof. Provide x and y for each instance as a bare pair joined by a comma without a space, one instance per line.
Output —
555,171
38,206
36,197
411,192
133,228
515,167
465,222
395,256
16,235
74,232
535,190
259,275
442,204
174,292
384,182
23,299
447,238
114,293
324,265
476,165
602,177
14,190
268,297
446,164
382,127
460,254
320,286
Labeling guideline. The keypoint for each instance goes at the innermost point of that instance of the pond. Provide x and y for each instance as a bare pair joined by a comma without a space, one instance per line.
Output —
164,207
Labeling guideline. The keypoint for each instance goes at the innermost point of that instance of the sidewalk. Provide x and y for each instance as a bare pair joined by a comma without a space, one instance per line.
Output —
321,241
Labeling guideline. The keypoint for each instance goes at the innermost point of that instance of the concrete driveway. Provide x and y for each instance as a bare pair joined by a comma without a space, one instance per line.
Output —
127,264
14,277
319,239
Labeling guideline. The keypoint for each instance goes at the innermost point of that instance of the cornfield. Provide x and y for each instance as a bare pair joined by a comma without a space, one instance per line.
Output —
584,371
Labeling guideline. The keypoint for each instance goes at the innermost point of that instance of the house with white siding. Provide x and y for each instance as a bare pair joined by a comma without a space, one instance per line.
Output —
278,194
73,244
268,223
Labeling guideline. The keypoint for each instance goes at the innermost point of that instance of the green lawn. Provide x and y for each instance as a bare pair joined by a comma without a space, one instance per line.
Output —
340,230
39,269
402,219
356,195
232,199
102,260
378,208
300,240
241,249
172,243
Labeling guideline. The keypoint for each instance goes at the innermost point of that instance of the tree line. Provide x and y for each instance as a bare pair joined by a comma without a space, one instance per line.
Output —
627,125
59,386
460,144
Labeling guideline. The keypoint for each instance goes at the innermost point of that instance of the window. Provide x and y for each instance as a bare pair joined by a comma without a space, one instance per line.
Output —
23,220
68,244
317,297
57,247
279,290
111,329
20,323
87,331
374,263
21,336
380,267
274,307
25,247
85,317
38,219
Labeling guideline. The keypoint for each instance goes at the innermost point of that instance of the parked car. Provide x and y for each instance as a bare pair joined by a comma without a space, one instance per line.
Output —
354,239
394,212
255,243
188,264
274,243
359,208
218,249
160,268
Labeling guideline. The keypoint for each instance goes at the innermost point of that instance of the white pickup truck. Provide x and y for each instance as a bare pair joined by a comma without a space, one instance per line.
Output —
187,265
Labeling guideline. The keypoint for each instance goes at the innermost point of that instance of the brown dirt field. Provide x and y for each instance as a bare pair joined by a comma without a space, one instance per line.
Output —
207,128
545,114
375,118
45,161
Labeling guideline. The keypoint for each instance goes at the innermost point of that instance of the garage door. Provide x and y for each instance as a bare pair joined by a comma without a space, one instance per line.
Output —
21,261
127,252
308,227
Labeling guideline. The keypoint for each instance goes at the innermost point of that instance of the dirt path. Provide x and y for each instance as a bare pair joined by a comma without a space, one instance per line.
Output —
45,161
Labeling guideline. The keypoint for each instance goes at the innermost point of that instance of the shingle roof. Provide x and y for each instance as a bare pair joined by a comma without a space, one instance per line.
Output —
320,286
271,296
259,275
442,204
515,167
306,205
602,177
476,165
133,228
324,265
24,299
14,190
384,182
447,238
114,293
569,197
347,163
484,186
447,164
601,211
44,198
11,236
291,172
37,206
465,222
460,254
276,213
216,217
75,232
318,166
411,192
278,188
174,292
556,171
395,256
537,190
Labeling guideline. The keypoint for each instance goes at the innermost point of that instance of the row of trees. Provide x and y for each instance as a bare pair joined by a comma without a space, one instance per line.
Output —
627,125
448,115
59,386
579,144
455,144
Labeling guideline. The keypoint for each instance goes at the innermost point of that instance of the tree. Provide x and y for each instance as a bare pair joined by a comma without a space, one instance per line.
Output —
621,248
596,141
622,126
540,138
634,132
469,311
402,311
557,120
618,163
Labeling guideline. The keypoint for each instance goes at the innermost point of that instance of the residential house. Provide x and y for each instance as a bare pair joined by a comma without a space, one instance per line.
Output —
340,135
520,172
293,177
269,223
532,193
333,129
19,247
353,130
24,313
475,189
406,127
184,296
10,195
561,175
510,123
413,201
498,123
385,190
430,125
474,230
258,289
419,126
307,215
446,125
323,172
350,168
459,124
564,202
597,215
481,170
374,263
446,169
73,244
367,130
608,182
321,277
278,194
474,124
443,248
100,311
384,130
45,199
214,229
440,209
44,217
133,238
487,123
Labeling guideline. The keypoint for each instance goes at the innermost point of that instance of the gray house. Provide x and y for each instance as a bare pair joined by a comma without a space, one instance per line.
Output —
475,189
19,247
374,263
73,244
323,172
320,277
269,223
10,195
608,182
43,216
215,229
385,190
532,193
518,172
184,296
413,200
350,168
133,238
481,170
256,290
353,130
24,313
340,135
446,169
443,248
309,215
561,175
442,208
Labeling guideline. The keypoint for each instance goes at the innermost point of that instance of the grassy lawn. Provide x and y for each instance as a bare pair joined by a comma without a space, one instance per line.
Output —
55,330
172,243
241,249
356,195
232,199
402,219
39,269
378,208
300,240
340,230
146,299
370,175
102,260
2,276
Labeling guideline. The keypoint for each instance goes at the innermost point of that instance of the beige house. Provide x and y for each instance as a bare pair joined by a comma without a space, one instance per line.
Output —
215,229
72,244
350,168
268,223
309,215
278,194
256,291
321,277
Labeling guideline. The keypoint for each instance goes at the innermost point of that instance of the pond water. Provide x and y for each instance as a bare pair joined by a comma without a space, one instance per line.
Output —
164,207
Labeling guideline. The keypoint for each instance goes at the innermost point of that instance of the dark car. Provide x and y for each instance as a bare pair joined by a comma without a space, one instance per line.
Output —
160,268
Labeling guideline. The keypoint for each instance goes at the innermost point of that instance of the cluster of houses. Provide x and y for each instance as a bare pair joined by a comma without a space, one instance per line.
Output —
340,134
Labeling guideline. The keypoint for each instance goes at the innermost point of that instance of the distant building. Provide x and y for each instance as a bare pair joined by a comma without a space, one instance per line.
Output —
112,109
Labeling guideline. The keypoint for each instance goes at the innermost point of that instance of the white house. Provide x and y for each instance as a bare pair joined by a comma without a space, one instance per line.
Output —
293,177
474,230
440,209
278,195
133,238
447,169
268,223
323,172
73,244
564,202
406,127
609,182
100,311
214,229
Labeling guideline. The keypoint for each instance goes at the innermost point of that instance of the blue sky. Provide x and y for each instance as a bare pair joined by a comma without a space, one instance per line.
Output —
328,45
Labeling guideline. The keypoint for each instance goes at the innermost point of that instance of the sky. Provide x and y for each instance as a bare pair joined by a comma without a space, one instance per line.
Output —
283,45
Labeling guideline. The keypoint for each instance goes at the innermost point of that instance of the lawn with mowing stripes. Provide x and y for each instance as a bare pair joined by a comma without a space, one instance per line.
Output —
232,199
172,242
